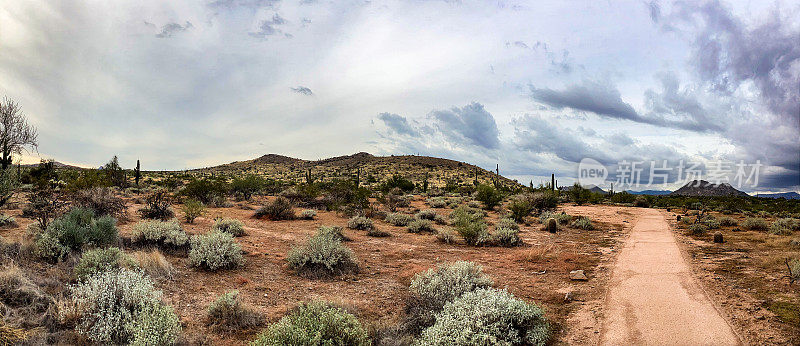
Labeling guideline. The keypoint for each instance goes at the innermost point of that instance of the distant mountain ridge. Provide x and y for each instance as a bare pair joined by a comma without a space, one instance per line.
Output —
787,195
700,188
373,169
650,192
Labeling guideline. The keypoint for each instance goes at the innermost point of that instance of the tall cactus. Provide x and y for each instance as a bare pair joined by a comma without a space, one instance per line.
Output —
137,173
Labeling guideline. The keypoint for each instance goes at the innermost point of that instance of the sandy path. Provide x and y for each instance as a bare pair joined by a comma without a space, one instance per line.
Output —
653,298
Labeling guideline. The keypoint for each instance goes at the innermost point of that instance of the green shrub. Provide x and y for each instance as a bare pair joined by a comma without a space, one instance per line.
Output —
279,209
162,233
578,194
437,202
421,225
520,207
215,250
229,225
561,218
711,222
698,229
487,316
323,255
446,236
332,231
470,225
755,224
727,221
192,209
432,289
507,237
71,231
505,222
582,222
100,260
374,232
229,314
6,221
488,195
121,307
308,214
205,190
641,202
427,214
360,222
244,188
785,226
398,219
315,323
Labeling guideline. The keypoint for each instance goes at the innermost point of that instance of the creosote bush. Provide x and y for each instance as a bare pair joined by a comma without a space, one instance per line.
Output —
100,260
229,225
102,200
398,219
279,209
192,209
322,255
315,323
470,224
421,225
487,316
360,223
121,307
437,202
73,230
432,289
488,195
727,221
215,250
755,224
785,226
561,218
582,222
698,229
229,314
168,234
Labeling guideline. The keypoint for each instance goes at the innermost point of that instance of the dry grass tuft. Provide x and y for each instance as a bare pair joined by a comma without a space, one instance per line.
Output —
154,264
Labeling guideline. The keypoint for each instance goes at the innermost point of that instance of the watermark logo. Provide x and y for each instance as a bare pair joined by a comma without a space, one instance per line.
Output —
591,172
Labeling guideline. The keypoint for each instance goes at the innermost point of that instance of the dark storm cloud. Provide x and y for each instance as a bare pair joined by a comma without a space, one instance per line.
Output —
303,90
471,122
269,27
727,53
172,28
601,99
397,123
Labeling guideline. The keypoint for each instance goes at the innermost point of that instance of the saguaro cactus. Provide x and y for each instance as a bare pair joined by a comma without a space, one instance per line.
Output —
137,173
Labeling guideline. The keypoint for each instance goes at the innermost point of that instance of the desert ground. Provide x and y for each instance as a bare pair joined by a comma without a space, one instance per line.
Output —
647,281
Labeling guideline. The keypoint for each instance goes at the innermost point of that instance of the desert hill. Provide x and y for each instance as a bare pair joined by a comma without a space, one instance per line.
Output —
703,188
374,169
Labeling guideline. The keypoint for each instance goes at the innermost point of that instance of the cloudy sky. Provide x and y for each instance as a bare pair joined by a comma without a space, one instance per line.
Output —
535,87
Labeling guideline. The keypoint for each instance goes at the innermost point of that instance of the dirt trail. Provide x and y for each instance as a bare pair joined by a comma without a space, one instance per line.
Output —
653,298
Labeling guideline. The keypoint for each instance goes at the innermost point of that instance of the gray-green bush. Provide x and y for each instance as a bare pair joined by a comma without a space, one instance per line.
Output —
755,224
99,260
215,250
72,231
322,255
162,233
315,323
432,289
421,225
398,219
582,222
121,307
487,316
229,314
229,225
360,223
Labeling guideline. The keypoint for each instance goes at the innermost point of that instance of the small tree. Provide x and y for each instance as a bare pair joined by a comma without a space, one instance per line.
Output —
114,173
579,195
15,132
488,195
